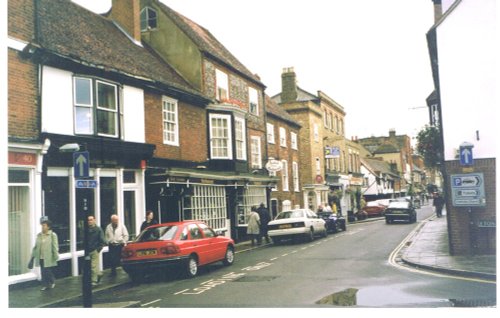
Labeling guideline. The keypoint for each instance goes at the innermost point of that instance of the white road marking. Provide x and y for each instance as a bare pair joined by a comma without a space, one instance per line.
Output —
273,259
181,291
284,255
151,302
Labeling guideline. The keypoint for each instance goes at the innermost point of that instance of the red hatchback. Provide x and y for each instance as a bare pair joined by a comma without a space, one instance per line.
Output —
187,244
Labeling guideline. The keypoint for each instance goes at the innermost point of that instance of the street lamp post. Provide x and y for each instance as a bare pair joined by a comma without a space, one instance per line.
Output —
81,163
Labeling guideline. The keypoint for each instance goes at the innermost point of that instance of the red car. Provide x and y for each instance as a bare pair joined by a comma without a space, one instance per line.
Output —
187,244
372,208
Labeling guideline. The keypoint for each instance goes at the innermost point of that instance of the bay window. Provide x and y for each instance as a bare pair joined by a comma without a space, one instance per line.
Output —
220,137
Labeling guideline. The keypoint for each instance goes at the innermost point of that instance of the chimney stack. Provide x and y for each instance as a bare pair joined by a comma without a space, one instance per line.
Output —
392,133
126,13
438,10
288,85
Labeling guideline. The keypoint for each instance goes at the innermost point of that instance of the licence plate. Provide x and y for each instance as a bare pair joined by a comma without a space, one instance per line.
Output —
285,226
146,252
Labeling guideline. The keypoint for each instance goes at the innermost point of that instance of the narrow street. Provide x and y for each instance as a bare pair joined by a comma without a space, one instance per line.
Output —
300,275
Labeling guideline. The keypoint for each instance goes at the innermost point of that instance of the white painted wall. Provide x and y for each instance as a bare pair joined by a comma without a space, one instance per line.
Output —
57,101
466,42
133,114
372,184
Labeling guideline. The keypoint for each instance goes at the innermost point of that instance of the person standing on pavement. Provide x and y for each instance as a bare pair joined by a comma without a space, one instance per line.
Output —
438,203
149,220
253,226
116,237
265,218
96,242
327,208
45,253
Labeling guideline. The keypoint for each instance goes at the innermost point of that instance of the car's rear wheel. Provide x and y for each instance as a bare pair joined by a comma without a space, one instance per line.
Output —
388,221
192,266
229,257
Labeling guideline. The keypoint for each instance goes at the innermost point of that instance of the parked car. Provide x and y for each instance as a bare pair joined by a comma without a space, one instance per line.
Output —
296,223
372,208
333,222
401,210
187,244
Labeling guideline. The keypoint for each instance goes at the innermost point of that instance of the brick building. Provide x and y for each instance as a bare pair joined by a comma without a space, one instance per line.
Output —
78,78
460,107
397,151
217,171
322,122
283,145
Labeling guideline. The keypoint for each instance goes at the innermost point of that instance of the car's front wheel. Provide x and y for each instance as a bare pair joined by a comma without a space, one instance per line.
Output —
229,257
192,266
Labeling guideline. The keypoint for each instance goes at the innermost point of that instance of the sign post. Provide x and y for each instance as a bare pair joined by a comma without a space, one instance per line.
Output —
81,165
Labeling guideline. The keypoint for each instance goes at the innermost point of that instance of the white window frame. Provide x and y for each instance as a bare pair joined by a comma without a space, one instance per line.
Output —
221,82
253,98
270,133
175,131
115,111
295,176
240,140
282,137
147,28
293,140
256,152
81,105
284,176
229,136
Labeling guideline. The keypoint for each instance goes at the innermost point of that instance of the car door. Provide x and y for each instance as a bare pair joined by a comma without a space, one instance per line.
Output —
199,244
217,245
317,222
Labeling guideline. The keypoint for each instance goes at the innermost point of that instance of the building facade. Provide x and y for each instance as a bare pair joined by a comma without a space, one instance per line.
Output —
468,135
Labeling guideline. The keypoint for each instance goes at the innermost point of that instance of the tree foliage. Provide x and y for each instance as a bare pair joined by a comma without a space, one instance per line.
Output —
429,146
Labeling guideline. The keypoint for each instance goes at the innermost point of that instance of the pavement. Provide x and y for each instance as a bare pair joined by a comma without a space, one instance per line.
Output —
427,249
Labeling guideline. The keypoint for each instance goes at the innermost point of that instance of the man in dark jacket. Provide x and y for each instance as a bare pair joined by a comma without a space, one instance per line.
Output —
265,218
438,203
96,242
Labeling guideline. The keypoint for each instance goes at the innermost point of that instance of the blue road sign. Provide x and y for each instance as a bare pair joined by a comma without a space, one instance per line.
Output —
467,190
85,184
466,157
81,163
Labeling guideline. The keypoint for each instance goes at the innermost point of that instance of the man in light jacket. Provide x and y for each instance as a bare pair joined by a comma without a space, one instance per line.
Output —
116,237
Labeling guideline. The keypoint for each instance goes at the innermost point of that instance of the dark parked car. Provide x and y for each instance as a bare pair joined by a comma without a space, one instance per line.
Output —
400,211
333,222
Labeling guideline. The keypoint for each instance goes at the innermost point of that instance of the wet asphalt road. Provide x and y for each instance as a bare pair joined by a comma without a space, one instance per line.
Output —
301,274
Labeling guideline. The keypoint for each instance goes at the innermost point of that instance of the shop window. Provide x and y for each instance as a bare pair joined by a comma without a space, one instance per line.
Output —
19,223
207,204
56,199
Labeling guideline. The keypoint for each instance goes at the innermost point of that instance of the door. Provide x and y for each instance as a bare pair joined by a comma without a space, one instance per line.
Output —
129,212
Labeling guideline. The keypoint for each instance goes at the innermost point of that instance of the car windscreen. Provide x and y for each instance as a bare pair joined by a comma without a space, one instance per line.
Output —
290,214
160,233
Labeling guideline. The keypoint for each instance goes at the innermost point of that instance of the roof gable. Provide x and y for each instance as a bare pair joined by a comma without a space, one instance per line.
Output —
71,31
207,43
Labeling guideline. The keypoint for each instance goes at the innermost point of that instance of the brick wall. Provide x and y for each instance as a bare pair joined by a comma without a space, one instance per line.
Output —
465,236
23,113
192,130
21,19
126,14
290,155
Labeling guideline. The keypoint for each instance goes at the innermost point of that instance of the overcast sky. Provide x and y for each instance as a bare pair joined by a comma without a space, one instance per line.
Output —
370,56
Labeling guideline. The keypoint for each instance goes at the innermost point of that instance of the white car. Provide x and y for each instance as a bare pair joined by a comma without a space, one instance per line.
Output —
296,223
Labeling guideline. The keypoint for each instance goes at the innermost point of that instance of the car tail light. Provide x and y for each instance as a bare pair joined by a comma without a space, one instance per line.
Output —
298,224
127,253
170,248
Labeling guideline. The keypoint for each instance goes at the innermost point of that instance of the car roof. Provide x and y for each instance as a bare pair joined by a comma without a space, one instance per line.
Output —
399,205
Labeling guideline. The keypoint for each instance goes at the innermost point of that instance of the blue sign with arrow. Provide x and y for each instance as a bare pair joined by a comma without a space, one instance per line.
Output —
81,164
466,157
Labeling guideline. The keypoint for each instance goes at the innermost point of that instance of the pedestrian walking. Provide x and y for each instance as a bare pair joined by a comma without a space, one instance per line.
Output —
327,208
116,236
265,218
45,253
253,225
96,242
438,203
149,220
